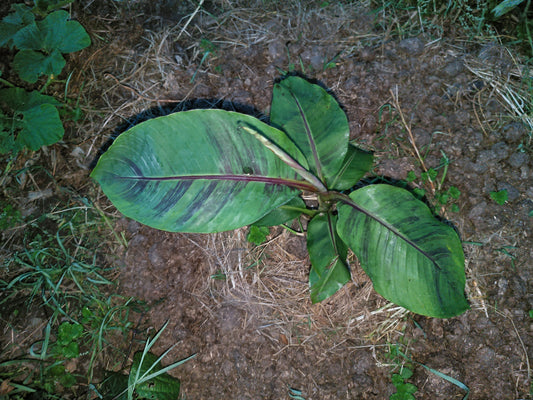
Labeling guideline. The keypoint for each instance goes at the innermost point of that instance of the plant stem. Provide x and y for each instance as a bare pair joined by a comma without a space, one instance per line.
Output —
48,82
307,211
7,83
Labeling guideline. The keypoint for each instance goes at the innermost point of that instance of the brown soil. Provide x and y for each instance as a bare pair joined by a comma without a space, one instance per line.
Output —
256,333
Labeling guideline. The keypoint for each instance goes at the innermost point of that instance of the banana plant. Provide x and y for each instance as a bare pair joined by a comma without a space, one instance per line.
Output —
212,170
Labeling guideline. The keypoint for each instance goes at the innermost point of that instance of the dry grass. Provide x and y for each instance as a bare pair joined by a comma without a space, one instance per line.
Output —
270,282
124,76
506,81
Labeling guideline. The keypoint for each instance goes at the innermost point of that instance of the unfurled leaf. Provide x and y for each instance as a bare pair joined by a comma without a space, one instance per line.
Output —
313,119
12,23
31,64
257,234
413,259
356,164
329,271
35,121
21,100
197,171
287,212
41,43
28,38
58,32
160,387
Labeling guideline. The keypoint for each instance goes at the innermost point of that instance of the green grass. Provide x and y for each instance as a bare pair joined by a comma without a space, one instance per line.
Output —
474,19
53,269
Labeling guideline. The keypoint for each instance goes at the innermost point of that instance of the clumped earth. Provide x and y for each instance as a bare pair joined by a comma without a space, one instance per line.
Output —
245,310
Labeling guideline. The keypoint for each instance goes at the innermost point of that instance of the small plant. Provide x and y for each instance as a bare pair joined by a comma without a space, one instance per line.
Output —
56,268
147,378
444,198
401,372
213,170
499,197
41,35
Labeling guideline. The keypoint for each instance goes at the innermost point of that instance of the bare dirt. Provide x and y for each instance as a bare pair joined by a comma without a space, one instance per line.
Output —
255,332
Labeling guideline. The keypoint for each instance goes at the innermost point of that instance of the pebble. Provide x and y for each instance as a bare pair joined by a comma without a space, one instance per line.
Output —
514,132
454,68
412,46
518,159
477,210
277,50
500,150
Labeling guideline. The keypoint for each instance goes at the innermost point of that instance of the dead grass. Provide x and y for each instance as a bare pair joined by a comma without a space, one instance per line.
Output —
508,81
270,282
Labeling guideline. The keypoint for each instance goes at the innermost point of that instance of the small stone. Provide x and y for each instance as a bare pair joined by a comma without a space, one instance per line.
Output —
503,284
454,68
277,50
478,210
514,132
485,158
518,159
155,257
413,46
500,150
313,56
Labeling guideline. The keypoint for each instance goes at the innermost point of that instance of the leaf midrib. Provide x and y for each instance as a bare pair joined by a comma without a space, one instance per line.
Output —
227,177
348,201
310,138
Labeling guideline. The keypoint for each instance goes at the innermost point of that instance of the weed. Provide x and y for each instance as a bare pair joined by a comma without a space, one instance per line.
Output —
258,234
401,372
208,48
57,270
9,216
147,378
41,35
402,368
475,18
499,197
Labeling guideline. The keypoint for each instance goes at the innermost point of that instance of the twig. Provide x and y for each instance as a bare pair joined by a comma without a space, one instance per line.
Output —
396,105
137,93
190,19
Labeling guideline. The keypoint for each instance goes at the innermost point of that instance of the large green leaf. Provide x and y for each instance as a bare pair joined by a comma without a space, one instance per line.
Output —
356,164
313,119
58,32
413,259
198,171
55,32
329,271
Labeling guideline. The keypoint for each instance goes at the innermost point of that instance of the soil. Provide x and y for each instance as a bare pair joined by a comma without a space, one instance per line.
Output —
255,333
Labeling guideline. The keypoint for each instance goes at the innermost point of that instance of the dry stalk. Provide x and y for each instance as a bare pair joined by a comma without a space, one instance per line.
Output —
407,127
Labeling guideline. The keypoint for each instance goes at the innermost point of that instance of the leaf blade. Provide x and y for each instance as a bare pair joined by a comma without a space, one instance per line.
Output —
356,164
313,119
196,171
329,271
413,259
